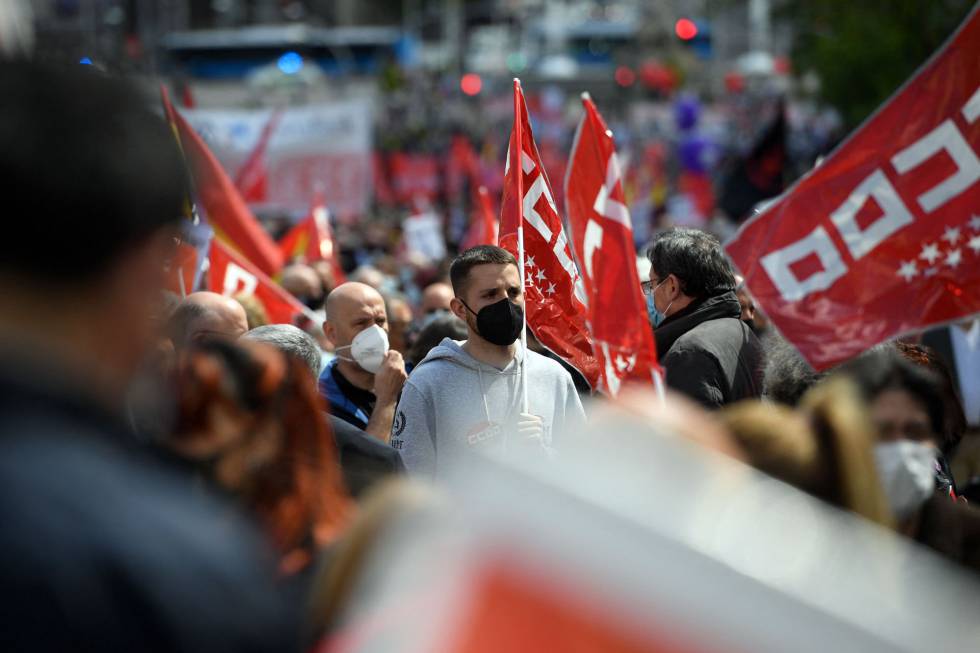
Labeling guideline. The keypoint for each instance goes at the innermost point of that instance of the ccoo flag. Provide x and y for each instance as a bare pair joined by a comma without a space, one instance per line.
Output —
603,239
554,294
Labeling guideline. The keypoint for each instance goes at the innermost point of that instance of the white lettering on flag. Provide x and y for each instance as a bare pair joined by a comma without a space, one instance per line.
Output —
778,263
894,215
239,281
944,137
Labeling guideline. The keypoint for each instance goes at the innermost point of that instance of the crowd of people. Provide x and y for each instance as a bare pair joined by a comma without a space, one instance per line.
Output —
177,475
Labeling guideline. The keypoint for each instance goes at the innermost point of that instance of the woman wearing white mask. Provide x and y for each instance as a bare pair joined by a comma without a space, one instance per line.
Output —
907,406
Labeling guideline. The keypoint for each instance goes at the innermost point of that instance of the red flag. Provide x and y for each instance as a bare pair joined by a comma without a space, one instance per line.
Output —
252,179
226,211
230,274
554,294
483,226
312,239
883,238
603,239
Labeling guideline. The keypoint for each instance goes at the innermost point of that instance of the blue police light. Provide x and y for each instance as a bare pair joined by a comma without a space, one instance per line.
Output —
85,61
290,63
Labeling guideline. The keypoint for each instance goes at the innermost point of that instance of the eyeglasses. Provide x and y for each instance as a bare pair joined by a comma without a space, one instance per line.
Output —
649,286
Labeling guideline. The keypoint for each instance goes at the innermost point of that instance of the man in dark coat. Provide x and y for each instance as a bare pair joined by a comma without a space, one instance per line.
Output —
103,547
364,460
708,353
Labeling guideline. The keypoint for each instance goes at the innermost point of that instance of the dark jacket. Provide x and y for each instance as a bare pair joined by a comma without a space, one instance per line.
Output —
364,460
351,404
951,528
103,548
709,354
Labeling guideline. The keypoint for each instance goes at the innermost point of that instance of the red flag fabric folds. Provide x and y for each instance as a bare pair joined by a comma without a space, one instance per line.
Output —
483,224
554,294
883,238
602,235
223,206
230,274
312,239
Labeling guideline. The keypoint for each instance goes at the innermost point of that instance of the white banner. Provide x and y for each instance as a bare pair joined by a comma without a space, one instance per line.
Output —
329,144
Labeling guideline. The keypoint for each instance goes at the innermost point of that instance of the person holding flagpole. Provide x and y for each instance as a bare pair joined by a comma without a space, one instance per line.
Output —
487,393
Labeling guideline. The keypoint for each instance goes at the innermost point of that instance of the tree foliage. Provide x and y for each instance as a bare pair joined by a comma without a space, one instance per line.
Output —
863,50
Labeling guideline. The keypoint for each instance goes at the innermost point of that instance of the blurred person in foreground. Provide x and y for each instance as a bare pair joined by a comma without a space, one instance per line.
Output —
207,315
467,395
824,448
708,352
906,405
249,421
363,381
103,546
363,459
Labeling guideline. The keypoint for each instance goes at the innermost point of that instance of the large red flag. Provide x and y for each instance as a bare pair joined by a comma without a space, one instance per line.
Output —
312,239
223,206
252,180
603,239
230,274
882,238
483,224
554,293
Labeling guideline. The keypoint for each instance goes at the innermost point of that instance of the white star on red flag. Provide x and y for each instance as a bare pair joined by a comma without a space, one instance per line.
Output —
951,235
954,258
529,261
930,253
974,244
908,270
551,288
541,275
975,223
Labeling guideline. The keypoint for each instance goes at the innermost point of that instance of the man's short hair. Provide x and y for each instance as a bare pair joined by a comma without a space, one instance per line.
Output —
696,258
459,271
290,340
86,168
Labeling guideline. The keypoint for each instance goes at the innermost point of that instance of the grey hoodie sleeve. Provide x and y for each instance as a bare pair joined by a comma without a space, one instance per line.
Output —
413,432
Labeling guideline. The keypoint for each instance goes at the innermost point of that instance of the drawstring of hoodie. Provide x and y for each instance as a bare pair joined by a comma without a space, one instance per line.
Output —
486,405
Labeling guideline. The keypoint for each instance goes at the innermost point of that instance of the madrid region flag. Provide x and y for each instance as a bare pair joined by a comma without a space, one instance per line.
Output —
603,239
554,294
882,238
230,274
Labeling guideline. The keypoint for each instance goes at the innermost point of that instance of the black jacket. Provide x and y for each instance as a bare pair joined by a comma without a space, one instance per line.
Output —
103,548
364,460
709,354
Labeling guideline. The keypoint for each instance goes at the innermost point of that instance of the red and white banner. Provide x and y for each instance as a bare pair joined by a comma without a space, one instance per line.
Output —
602,235
230,274
555,297
326,144
883,238
312,240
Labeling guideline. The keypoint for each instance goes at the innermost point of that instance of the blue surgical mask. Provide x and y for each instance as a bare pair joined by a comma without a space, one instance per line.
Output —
656,316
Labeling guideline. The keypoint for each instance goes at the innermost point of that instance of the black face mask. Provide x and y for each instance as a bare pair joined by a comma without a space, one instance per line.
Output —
499,323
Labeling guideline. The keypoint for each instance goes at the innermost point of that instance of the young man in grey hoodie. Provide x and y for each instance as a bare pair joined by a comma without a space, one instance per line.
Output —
467,396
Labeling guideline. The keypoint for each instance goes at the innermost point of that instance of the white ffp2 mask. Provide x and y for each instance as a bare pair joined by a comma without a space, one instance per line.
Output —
908,474
368,348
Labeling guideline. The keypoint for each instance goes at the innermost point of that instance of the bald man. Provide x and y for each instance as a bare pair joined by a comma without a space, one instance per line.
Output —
363,382
437,297
303,282
206,315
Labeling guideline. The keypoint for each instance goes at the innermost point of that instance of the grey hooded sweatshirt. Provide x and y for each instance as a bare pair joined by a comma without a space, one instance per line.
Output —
453,404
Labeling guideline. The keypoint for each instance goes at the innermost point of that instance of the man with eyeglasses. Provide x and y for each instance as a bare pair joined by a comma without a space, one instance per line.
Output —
708,352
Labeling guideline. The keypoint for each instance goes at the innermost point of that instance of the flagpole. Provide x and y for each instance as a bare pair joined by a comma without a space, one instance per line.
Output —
519,155
658,386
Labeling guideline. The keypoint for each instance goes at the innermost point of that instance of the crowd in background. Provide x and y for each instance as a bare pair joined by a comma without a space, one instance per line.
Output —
178,474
